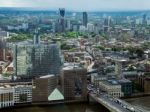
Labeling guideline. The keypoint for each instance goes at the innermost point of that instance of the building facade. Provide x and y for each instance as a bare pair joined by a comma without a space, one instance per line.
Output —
144,82
43,87
85,19
73,81
62,20
23,94
6,97
111,87
126,87
36,60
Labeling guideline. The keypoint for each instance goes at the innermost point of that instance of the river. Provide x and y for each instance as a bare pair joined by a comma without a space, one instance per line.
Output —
142,102
61,108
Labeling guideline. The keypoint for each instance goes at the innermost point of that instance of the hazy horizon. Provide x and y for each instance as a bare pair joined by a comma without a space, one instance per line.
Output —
80,5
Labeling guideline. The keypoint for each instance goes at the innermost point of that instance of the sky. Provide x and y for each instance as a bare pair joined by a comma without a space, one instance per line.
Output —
80,5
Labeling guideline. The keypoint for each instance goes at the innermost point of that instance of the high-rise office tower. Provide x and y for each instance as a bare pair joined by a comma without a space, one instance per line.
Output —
62,12
107,23
85,19
144,21
31,60
36,37
73,81
36,60
2,49
43,87
62,20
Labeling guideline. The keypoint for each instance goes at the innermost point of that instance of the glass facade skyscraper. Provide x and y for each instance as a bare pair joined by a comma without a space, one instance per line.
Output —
36,60
85,19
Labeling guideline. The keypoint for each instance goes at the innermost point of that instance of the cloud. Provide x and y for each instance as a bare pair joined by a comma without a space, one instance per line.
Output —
80,4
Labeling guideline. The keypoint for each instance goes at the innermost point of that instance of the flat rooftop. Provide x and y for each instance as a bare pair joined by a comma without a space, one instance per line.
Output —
47,76
111,82
70,66
124,81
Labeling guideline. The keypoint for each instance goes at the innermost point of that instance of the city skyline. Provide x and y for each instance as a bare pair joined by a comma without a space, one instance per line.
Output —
95,5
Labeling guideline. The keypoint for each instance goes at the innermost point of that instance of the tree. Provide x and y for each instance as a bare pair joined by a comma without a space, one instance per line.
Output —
100,47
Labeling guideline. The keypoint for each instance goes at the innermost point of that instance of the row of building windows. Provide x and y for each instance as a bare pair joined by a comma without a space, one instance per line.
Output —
4,97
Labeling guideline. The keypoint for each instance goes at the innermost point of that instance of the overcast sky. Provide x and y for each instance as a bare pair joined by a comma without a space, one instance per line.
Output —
80,4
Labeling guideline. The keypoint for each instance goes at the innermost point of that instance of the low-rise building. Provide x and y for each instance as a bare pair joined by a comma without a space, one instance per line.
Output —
95,79
6,97
23,94
131,75
126,87
111,87
144,82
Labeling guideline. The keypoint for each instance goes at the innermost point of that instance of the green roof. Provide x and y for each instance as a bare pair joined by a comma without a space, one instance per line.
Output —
55,95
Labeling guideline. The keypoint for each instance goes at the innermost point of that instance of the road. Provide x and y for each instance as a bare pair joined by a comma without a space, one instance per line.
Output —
114,103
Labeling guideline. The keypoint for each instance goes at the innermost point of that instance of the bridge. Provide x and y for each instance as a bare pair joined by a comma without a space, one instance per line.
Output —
111,103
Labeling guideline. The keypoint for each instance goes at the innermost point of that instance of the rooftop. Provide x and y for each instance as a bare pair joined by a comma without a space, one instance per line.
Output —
70,66
124,81
46,76
111,82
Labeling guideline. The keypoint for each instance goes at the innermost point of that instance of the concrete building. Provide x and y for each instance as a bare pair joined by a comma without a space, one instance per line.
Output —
43,87
2,66
22,94
82,28
2,47
36,38
144,19
107,23
23,26
6,97
126,87
111,87
144,82
74,81
4,34
95,79
118,67
90,27
130,75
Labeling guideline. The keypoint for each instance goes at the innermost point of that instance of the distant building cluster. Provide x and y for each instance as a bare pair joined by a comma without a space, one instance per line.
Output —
69,56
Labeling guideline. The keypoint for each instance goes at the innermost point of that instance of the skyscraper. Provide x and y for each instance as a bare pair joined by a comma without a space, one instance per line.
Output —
36,60
62,20
31,60
36,37
62,12
73,82
2,48
85,19
144,21
43,87
107,23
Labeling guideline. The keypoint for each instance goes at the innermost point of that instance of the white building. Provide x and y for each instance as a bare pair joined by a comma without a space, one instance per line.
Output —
4,34
138,21
90,27
23,94
82,28
95,79
111,87
148,22
23,26
6,97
